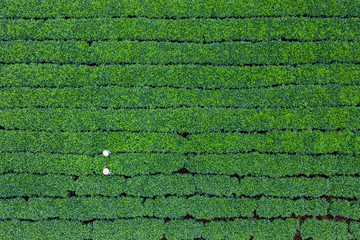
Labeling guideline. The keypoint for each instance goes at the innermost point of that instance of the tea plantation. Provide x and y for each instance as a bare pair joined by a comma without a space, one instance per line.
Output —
225,119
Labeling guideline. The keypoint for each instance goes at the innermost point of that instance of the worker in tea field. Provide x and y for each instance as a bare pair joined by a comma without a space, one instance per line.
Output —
106,171
106,153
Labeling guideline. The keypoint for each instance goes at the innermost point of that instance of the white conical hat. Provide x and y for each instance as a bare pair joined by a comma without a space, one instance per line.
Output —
106,171
106,153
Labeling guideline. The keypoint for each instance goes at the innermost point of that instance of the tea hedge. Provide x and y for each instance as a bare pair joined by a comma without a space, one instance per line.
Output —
177,8
219,185
354,228
71,208
193,30
136,52
200,207
345,209
184,76
190,120
150,228
246,229
54,229
303,142
324,229
180,185
191,229
275,165
29,184
142,228
130,164
184,229
188,229
117,97
283,187
125,164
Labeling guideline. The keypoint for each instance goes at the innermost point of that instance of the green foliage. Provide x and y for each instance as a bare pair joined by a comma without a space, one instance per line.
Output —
208,208
229,53
54,229
236,229
180,119
156,185
252,97
28,184
125,164
177,8
194,30
71,208
184,229
186,76
270,207
200,207
179,185
119,97
324,229
129,229
89,142
244,229
284,187
149,229
348,209
275,165
355,229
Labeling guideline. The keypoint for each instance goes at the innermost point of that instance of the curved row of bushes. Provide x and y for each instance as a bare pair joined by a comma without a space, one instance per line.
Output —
189,120
146,228
131,164
228,53
125,97
193,30
178,8
304,142
179,185
200,207
183,76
